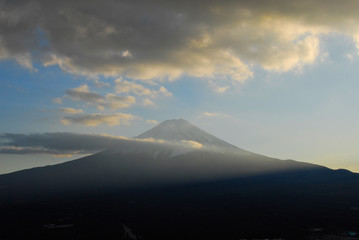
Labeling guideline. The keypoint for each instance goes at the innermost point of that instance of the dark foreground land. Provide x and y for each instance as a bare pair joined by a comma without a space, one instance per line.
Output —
296,205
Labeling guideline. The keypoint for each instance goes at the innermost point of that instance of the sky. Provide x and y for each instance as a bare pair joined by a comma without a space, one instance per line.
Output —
275,77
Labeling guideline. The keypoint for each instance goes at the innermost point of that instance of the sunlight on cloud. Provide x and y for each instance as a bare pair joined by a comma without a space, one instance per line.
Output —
25,61
153,122
98,118
71,110
123,86
192,144
112,101
211,40
149,140
148,102
116,102
293,55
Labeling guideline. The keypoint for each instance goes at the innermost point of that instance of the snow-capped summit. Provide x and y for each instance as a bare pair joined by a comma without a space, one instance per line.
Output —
177,130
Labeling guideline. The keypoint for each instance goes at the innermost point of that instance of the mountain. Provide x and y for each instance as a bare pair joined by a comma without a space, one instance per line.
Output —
177,130
173,152
177,181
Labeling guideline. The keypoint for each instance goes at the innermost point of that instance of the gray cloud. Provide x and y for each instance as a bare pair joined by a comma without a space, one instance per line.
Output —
55,143
82,93
165,39
36,150
65,144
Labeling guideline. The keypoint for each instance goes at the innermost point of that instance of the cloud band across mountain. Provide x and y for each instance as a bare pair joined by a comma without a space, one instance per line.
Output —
65,144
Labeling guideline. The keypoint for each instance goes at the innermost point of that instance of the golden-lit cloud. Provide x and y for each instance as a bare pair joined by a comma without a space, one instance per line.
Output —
116,102
110,100
98,118
123,86
148,102
71,110
158,40
153,122
192,144
146,93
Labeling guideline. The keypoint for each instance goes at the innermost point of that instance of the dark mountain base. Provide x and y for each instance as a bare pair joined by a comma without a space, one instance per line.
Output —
263,207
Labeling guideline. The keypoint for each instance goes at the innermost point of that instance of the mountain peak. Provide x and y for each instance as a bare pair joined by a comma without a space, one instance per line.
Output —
182,130
175,122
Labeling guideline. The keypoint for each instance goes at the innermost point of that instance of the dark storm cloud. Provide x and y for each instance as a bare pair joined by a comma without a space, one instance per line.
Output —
165,39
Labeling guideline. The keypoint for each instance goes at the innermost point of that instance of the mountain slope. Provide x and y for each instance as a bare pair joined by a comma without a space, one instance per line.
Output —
181,130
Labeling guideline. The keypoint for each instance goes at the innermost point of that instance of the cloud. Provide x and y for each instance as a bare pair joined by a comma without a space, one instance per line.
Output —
349,56
216,114
148,102
138,89
163,91
34,150
153,122
55,143
116,102
65,144
57,100
159,40
71,110
123,86
112,101
25,61
82,93
219,87
192,144
98,118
